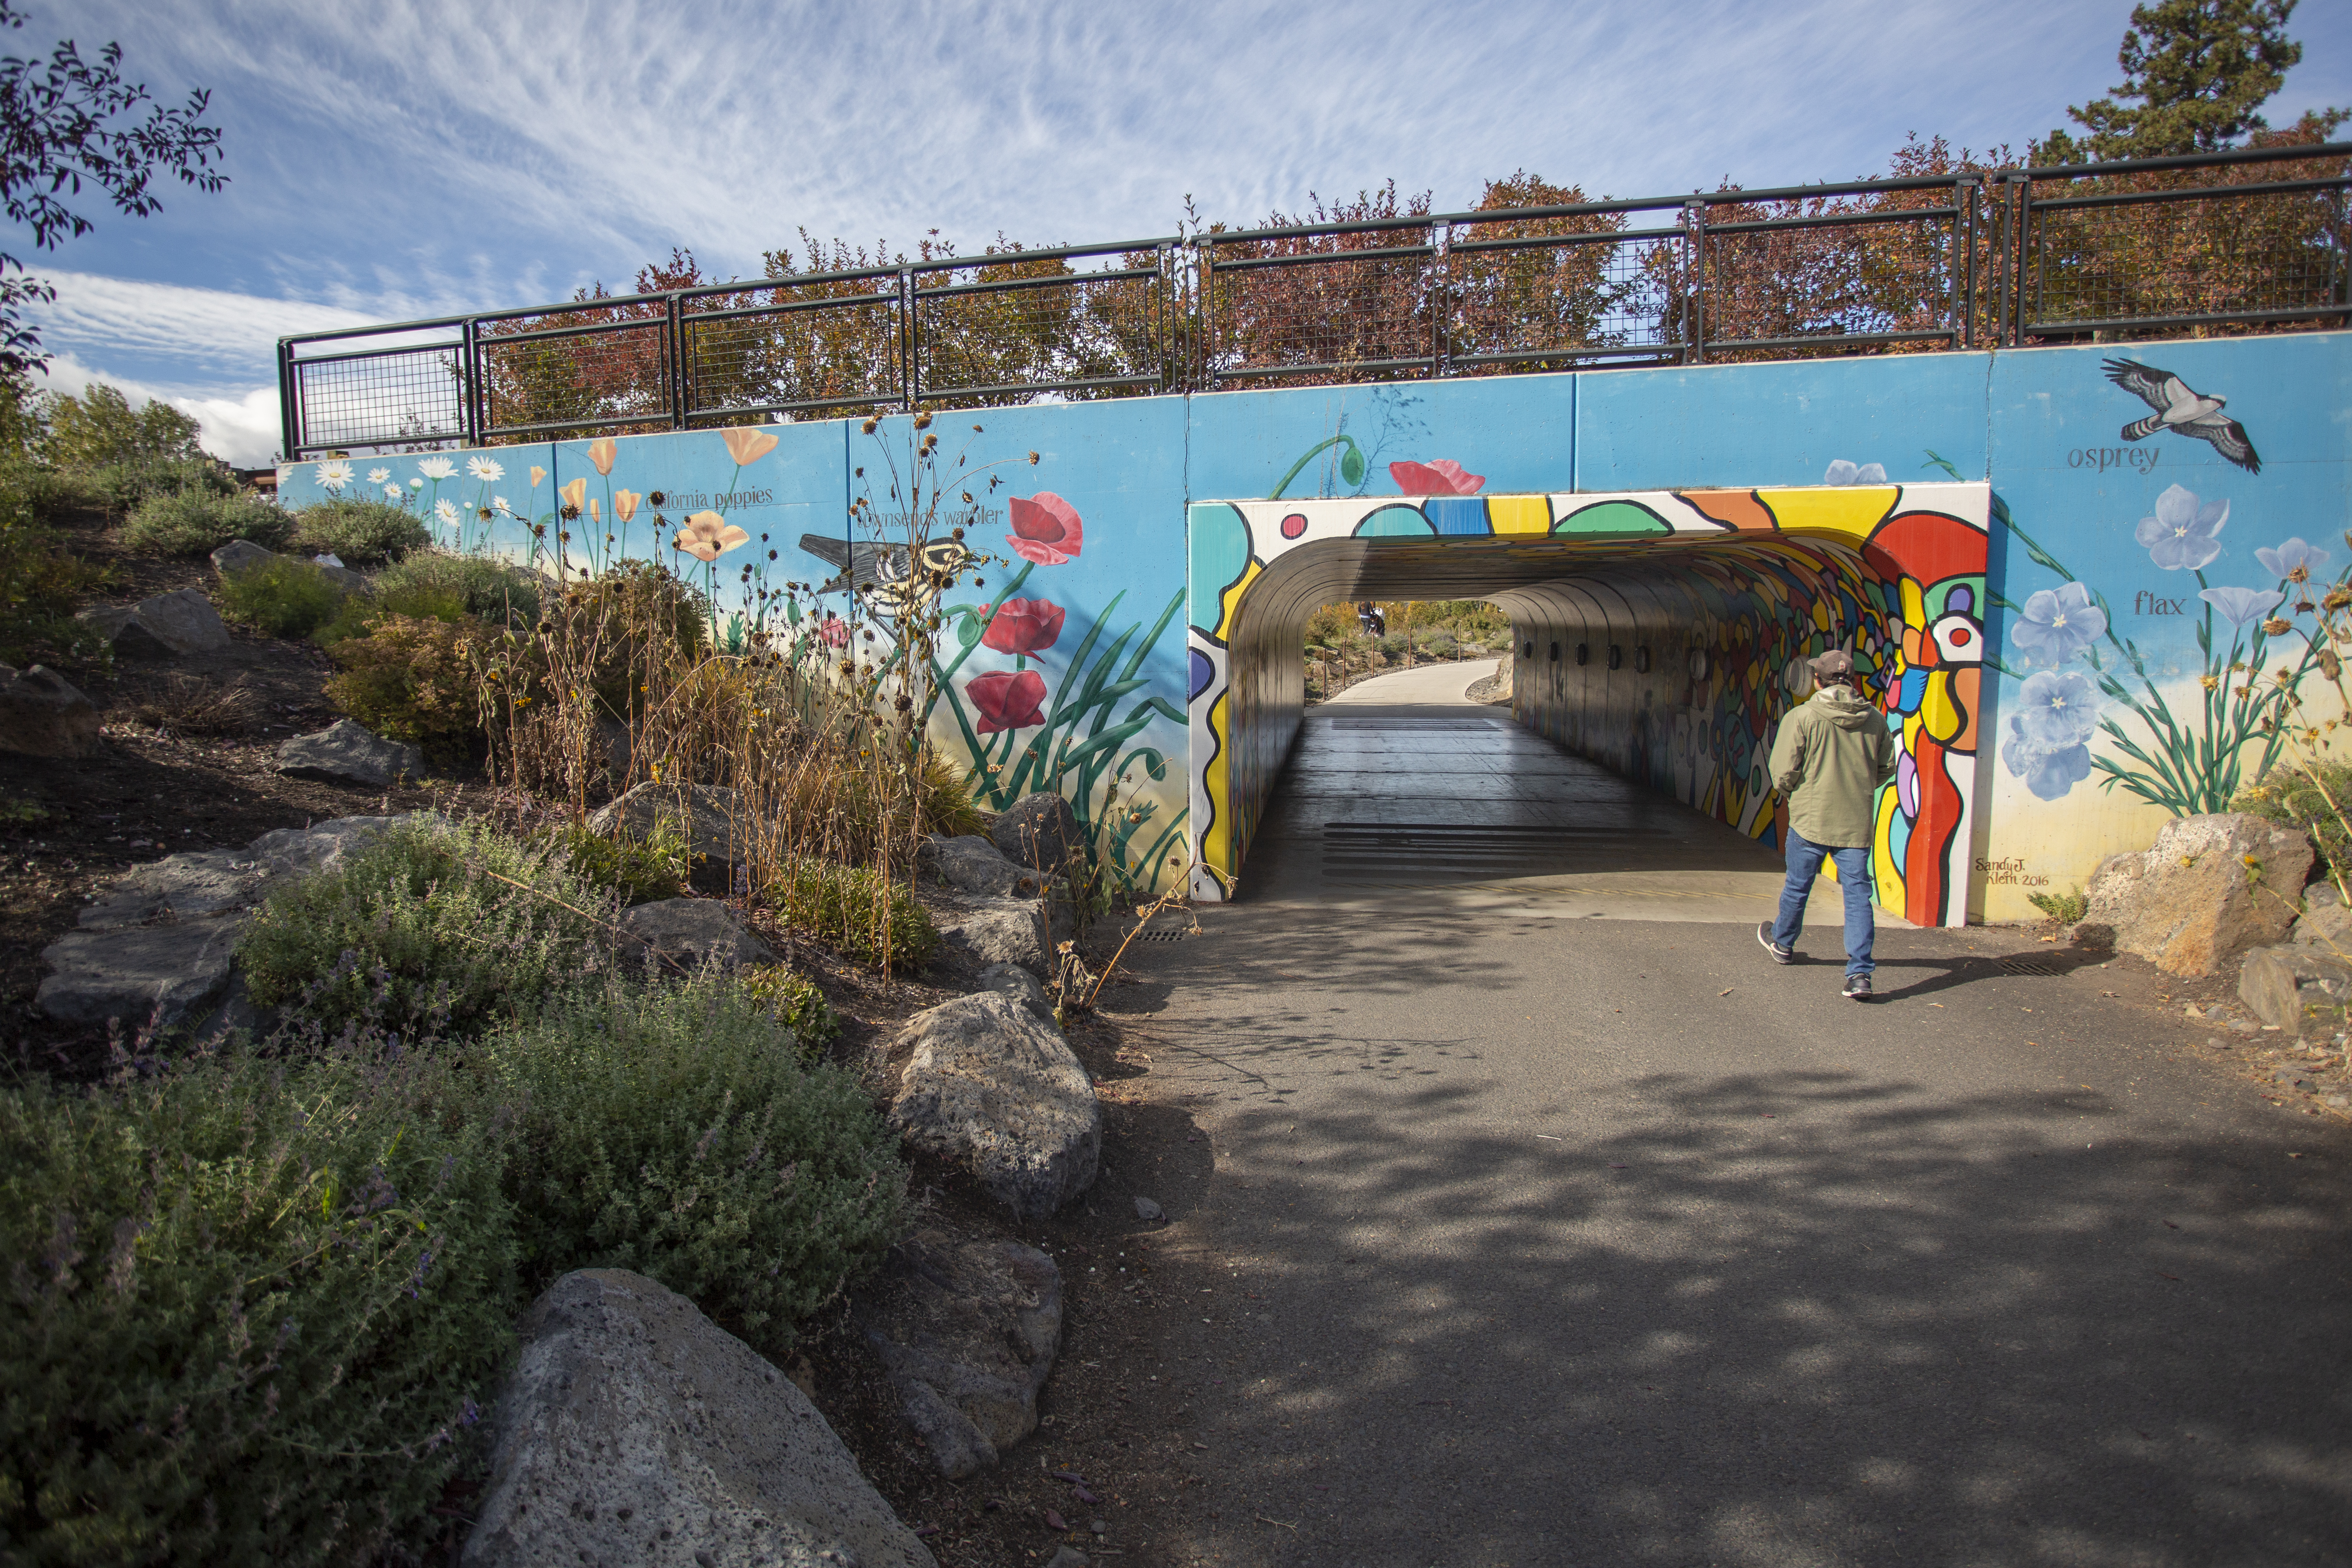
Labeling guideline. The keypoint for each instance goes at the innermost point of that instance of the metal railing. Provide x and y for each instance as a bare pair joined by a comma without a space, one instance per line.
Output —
2243,241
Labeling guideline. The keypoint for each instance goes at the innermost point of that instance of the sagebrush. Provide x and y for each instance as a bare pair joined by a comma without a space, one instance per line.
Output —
359,532
199,522
282,596
427,926
255,1309
676,1129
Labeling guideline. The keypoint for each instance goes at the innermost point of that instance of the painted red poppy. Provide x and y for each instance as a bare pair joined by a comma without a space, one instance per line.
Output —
1023,626
834,631
1045,528
1006,700
1442,477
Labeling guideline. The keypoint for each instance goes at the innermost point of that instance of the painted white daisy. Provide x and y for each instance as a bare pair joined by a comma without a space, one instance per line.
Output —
394,492
447,511
377,476
484,469
501,504
334,475
437,468
416,484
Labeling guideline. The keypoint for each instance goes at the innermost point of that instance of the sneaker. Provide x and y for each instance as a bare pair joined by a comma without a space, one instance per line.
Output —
1857,987
1779,955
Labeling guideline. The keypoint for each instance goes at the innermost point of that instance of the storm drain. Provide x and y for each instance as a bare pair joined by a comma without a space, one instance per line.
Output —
2026,966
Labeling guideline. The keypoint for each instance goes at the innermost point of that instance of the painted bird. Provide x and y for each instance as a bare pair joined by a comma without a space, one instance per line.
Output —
879,571
2182,410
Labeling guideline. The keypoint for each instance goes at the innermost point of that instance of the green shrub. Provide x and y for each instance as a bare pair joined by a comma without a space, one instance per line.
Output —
795,1001
197,522
496,591
425,928
53,492
41,584
853,910
677,1131
638,872
2064,907
1393,645
439,585
255,1309
2297,796
123,487
359,532
283,597
417,680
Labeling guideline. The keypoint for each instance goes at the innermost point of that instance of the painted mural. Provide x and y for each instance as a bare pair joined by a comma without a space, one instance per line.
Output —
2099,642
1762,579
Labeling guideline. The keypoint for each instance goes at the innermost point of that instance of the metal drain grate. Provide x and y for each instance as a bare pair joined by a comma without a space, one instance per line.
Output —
2026,966
1165,929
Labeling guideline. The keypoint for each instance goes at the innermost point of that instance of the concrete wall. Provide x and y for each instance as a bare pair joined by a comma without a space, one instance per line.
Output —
2090,738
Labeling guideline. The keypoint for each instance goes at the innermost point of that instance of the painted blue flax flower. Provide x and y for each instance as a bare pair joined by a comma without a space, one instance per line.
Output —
2242,605
2181,537
2059,622
2060,708
2292,562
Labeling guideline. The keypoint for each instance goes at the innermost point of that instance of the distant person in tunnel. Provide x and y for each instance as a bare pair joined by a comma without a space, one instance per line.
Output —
1831,754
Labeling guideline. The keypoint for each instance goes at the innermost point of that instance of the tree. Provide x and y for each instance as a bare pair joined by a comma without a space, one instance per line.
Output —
67,121
100,429
2196,75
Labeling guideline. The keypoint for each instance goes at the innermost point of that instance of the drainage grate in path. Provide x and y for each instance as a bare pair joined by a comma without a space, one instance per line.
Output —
2027,967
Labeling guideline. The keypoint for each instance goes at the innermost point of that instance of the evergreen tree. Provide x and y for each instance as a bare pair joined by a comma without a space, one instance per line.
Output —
2196,75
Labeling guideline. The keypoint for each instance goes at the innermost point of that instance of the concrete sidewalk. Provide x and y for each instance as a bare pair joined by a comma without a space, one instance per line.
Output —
1531,1242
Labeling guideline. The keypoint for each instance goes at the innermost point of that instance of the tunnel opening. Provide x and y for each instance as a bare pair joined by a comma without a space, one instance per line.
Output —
1657,637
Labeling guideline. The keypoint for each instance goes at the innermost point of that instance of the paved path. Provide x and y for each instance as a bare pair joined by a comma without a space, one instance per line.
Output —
1517,1240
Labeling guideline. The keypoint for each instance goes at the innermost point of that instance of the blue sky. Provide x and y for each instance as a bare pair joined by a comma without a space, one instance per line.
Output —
407,158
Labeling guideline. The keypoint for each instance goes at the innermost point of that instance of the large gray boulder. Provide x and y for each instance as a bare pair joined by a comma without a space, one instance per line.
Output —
181,621
636,1431
974,865
42,714
1039,831
704,815
968,1328
158,943
991,1087
347,752
2325,922
677,935
2278,984
1017,985
2210,888
978,932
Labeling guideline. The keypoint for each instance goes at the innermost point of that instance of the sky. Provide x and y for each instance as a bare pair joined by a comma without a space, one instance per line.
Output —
417,157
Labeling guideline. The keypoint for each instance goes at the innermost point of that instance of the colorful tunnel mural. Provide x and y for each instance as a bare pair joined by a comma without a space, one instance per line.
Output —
1657,632
2058,600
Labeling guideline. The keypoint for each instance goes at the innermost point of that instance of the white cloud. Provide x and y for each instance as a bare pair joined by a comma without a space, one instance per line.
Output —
240,426
204,327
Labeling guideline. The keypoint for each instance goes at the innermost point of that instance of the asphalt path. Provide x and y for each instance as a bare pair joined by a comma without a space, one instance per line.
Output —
1521,1239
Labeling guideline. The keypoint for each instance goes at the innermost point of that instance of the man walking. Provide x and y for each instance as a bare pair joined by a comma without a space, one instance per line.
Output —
1831,754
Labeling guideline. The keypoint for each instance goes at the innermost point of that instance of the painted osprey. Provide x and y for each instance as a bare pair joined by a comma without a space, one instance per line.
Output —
2182,410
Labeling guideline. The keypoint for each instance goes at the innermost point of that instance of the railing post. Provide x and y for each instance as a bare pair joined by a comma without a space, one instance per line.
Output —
1441,304
909,347
1695,314
674,318
2021,207
1963,262
1204,342
290,437
473,394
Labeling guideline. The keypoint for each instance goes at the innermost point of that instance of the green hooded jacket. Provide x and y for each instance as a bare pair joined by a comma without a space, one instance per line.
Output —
1833,752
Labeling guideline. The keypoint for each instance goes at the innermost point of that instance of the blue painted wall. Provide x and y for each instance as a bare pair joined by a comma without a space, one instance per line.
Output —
2066,717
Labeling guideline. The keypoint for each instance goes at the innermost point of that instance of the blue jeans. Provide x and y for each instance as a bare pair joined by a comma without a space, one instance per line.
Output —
1805,858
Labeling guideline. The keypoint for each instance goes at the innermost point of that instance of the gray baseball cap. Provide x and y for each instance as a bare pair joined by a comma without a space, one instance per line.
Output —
1834,665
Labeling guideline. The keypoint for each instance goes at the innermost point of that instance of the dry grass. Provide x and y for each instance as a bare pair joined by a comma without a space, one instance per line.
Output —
191,705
